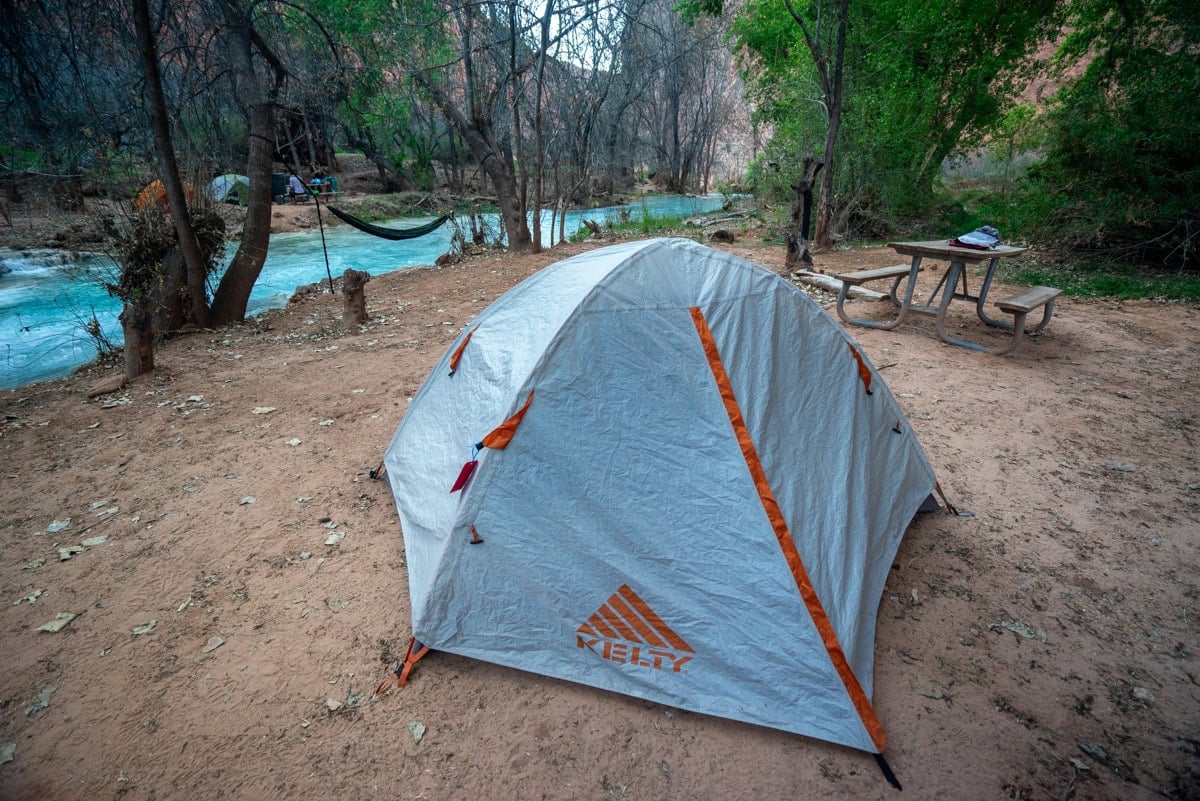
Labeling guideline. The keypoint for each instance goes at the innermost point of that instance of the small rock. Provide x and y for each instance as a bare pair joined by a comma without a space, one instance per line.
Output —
1093,750
34,565
57,526
66,553
7,753
417,729
41,702
334,538
246,501
58,623
195,398
305,556
332,704
1021,629
263,409
145,628
293,442
325,423
213,644
1142,694
91,542
30,598
927,687
1120,467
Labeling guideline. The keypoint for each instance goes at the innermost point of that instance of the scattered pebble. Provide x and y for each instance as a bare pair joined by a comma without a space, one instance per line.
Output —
34,565
94,541
30,598
293,442
1020,629
213,644
66,553
1120,467
58,525
1142,694
7,753
145,628
41,702
263,409
305,556
417,729
58,623
246,501
325,423
334,538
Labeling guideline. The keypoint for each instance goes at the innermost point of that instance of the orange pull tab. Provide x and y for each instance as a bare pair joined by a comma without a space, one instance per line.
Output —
864,372
456,357
503,433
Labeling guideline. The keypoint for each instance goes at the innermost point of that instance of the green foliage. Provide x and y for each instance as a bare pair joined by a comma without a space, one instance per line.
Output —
142,248
924,79
1122,169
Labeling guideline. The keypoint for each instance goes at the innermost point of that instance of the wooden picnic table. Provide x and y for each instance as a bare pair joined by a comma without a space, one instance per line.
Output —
953,286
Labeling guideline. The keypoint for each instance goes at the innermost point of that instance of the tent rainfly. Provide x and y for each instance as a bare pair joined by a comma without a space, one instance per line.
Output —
230,188
684,482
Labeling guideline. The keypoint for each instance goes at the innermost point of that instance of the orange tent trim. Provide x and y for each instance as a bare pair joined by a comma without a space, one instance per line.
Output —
499,438
771,506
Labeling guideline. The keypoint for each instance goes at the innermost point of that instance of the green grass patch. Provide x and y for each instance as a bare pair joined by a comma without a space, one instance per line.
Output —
645,223
1108,281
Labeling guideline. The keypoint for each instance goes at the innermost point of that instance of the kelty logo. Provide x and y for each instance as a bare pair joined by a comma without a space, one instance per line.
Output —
627,631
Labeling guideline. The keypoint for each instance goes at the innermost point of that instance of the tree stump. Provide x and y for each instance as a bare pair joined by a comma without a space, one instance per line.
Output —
355,296
137,324
797,236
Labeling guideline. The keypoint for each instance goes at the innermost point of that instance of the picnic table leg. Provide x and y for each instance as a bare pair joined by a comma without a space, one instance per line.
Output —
1017,327
904,305
1047,312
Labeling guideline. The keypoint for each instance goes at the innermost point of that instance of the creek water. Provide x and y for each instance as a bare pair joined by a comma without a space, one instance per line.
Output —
47,298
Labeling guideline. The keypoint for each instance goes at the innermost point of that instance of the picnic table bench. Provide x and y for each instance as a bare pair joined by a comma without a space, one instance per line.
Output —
1018,305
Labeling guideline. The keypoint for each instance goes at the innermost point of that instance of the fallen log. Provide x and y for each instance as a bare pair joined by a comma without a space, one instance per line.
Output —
711,221
831,284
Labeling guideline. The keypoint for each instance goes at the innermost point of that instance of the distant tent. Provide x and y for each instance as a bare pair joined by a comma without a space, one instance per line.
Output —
155,193
230,188
394,234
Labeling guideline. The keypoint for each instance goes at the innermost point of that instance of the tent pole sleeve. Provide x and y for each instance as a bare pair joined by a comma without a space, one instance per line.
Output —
804,584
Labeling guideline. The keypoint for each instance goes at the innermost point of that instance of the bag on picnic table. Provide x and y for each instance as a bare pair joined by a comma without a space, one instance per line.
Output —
983,238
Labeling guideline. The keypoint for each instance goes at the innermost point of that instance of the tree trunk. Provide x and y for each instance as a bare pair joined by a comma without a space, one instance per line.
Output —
137,326
834,104
233,294
481,139
354,296
167,298
176,196
797,236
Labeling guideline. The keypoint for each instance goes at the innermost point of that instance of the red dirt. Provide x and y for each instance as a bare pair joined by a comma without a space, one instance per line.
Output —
1044,649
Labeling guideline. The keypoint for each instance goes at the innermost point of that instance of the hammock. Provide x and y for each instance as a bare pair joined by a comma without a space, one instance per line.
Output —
394,234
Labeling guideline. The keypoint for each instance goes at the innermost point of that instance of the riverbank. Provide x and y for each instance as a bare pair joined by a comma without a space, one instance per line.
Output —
243,588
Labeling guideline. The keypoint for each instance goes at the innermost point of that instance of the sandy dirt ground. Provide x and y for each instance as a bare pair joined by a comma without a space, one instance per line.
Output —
235,575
